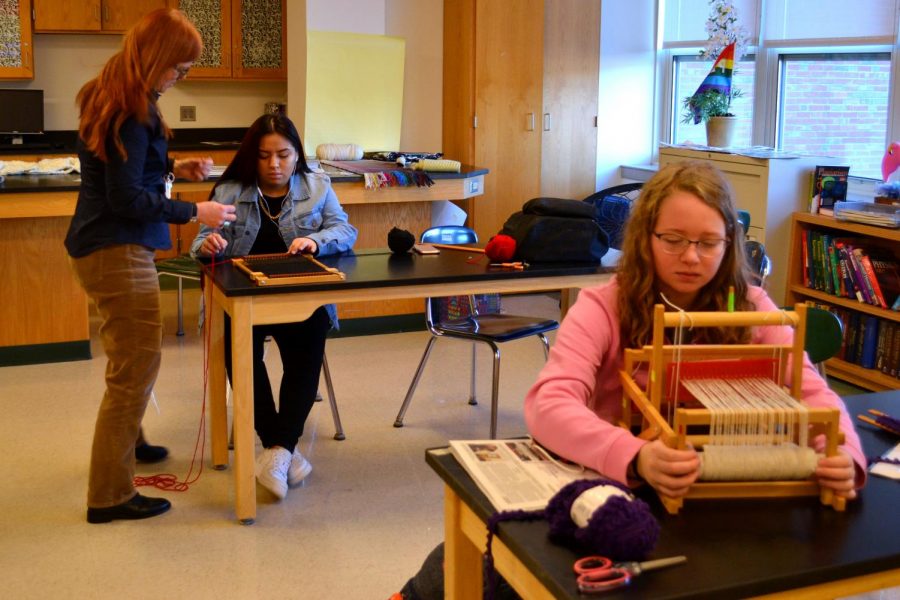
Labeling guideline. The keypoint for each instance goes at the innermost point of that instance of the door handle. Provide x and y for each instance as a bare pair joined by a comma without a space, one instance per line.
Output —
547,122
529,125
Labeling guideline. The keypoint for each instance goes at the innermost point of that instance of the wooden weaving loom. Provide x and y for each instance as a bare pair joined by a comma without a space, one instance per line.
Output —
285,269
690,422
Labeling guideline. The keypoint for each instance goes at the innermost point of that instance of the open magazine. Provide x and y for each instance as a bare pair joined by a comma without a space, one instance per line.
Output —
515,474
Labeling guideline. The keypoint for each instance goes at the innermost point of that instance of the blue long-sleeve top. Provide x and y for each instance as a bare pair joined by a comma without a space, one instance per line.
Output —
123,201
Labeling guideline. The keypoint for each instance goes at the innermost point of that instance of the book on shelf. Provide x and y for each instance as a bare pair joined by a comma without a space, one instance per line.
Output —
829,186
869,344
887,275
516,474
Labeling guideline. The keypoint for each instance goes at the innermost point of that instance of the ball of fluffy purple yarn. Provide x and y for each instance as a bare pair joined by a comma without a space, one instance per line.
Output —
620,529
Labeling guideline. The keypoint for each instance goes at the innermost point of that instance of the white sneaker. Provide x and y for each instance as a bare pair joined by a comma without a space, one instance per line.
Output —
299,469
272,468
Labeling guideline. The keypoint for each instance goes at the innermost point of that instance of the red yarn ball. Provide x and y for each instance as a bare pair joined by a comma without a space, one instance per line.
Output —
500,248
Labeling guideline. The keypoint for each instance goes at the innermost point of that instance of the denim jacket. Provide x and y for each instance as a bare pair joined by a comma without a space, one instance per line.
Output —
310,209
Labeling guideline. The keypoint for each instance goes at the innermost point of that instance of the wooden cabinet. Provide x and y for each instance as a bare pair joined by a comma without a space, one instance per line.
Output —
94,16
16,50
505,83
886,239
571,82
241,39
771,189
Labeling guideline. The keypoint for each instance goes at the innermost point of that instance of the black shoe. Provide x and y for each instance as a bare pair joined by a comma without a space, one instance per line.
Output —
145,453
139,507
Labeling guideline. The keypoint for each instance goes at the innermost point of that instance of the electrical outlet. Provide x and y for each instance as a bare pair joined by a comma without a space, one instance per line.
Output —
188,113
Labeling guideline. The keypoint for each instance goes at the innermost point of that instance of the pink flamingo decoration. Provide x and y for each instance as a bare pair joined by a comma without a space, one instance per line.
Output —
891,163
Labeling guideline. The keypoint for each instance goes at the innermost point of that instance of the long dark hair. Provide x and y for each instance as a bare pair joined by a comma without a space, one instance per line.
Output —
243,167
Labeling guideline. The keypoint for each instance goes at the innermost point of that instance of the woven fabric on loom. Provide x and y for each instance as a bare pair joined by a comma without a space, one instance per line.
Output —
458,307
378,173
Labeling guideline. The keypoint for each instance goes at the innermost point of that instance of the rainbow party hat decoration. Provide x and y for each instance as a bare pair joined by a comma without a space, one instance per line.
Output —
718,79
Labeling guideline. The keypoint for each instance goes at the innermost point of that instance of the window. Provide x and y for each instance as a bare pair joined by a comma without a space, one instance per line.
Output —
689,72
835,105
819,80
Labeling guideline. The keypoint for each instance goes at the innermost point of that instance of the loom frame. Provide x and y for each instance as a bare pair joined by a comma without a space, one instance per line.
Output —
253,266
649,400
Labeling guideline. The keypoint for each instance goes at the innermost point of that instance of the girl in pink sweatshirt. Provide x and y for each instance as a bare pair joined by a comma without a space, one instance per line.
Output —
682,247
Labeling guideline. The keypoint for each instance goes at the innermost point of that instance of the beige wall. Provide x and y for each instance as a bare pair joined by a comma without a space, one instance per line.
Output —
419,22
63,63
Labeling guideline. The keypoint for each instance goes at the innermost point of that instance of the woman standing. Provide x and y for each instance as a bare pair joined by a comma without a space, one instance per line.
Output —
281,207
120,219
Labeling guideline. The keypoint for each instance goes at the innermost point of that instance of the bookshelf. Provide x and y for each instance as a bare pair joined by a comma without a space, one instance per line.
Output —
885,238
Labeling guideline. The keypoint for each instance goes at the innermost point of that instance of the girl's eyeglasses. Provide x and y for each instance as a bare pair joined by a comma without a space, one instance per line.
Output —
672,243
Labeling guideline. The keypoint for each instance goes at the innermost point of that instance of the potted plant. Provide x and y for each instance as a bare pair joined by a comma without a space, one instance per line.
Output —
711,103
714,109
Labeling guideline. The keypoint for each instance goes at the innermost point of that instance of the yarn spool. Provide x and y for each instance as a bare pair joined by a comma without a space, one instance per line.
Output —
500,248
757,463
339,152
400,241
616,524
442,165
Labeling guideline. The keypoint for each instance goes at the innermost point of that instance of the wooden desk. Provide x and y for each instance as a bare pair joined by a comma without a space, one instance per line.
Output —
376,275
735,548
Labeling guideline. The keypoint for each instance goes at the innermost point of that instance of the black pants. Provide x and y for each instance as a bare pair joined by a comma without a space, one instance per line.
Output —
302,346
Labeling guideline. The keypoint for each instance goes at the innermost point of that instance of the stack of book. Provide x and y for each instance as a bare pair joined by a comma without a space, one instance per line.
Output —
870,342
851,268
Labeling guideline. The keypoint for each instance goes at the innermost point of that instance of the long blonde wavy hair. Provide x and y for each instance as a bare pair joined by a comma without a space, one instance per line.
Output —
636,275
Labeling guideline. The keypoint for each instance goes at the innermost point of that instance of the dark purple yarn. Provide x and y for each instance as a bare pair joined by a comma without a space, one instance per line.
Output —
493,522
620,529
888,422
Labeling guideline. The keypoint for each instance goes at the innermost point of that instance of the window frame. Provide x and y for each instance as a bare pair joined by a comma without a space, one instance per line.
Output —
767,90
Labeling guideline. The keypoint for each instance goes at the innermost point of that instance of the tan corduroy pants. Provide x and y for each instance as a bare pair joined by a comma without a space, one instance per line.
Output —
122,282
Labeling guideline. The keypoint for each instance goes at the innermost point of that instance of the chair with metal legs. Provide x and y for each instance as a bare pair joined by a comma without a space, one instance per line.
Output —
492,329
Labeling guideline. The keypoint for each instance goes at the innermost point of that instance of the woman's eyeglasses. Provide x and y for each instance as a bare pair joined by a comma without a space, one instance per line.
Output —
181,72
672,243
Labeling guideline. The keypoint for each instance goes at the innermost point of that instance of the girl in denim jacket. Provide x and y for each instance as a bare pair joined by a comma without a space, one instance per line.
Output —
281,206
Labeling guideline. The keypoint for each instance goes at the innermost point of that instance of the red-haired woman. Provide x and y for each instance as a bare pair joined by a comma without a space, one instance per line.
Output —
120,219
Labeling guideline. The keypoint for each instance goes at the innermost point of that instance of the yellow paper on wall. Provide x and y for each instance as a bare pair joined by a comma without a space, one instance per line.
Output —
354,90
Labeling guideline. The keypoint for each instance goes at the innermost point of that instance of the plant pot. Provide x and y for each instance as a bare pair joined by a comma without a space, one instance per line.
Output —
720,131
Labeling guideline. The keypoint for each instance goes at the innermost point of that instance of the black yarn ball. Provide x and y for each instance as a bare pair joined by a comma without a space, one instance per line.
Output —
400,241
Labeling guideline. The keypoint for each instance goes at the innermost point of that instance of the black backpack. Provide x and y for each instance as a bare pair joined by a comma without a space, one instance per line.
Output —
556,230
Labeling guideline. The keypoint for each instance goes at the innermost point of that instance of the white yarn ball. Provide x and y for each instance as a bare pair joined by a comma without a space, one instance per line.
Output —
339,152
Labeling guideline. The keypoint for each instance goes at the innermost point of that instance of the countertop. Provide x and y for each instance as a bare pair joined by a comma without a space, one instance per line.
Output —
71,182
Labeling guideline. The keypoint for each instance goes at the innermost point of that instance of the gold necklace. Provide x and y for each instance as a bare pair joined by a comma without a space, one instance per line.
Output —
264,206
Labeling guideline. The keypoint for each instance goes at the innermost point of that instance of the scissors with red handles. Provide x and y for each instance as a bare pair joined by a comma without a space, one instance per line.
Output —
598,573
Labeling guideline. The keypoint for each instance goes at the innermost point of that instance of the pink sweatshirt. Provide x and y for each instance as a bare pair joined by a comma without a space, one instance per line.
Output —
577,397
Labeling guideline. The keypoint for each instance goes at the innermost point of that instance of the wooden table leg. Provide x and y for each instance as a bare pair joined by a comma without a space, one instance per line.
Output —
242,388
462,559
218,415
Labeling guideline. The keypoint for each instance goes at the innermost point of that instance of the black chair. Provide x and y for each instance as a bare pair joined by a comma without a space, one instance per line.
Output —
491,327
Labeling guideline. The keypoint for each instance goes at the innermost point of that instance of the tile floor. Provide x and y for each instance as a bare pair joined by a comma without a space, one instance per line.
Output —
359,526
357,529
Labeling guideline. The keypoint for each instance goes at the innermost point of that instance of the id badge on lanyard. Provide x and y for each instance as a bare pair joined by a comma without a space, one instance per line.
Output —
168,180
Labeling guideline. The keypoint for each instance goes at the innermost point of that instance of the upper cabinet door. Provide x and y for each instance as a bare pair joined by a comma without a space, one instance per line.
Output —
120,15
91,16
65,15
212,18
259,39
241,40
16,51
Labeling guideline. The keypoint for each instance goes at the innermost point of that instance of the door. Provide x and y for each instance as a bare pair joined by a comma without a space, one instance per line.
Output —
571,82
508,97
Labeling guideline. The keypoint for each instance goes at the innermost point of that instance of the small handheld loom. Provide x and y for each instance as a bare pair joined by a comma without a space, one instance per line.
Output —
285,269
729,402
